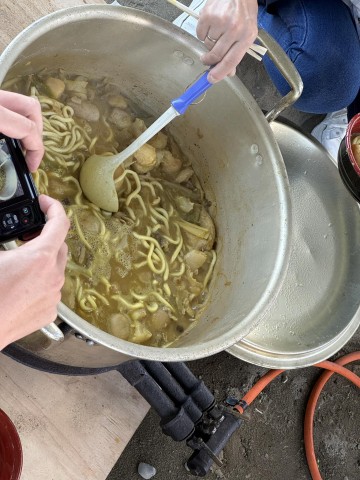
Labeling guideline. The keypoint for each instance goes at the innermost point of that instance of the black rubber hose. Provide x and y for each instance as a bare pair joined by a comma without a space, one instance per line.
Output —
172,388
199,392
139,378
175,421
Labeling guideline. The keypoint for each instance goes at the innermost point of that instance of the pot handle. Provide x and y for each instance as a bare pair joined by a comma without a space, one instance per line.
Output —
288,71
52,331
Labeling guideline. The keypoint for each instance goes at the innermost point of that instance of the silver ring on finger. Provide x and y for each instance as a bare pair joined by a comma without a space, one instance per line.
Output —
213,40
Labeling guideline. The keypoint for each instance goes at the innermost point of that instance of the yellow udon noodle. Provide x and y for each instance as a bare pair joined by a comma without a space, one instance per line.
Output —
141,197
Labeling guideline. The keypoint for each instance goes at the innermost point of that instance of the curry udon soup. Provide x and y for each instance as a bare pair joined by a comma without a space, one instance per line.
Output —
142,273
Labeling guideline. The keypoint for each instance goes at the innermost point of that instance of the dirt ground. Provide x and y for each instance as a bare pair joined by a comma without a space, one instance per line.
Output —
269,445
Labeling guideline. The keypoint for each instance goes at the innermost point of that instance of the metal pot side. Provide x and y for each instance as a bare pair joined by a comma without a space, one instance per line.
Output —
317,309
234,154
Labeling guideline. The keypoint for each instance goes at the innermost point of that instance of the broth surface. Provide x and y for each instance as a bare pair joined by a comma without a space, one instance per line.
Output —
142,273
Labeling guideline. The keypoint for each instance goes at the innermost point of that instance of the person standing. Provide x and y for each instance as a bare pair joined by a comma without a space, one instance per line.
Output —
320,37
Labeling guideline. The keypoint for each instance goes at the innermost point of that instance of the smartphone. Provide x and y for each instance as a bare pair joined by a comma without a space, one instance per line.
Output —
20,213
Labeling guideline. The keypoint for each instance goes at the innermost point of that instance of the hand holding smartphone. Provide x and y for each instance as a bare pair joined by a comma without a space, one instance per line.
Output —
20,214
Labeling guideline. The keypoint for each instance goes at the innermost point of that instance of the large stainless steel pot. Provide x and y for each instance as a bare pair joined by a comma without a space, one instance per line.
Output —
233,150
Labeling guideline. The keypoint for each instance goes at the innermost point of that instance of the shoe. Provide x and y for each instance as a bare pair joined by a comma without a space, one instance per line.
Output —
331,131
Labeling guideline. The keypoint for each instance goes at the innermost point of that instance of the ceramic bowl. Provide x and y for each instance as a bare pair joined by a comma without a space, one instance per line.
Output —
11,457
349,167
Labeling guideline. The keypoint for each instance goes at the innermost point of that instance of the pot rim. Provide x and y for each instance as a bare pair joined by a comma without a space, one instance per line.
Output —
85,12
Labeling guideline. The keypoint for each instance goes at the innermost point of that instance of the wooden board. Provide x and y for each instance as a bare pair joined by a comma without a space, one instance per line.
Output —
71,428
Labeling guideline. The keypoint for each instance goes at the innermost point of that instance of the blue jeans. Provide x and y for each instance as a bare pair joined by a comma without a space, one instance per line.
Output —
320,38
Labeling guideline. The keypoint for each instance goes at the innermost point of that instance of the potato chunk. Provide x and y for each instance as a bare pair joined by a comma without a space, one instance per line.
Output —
145,159
55,87
120,325
120,118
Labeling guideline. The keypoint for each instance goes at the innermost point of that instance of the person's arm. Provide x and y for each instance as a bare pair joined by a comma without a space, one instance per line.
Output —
228,28
31,276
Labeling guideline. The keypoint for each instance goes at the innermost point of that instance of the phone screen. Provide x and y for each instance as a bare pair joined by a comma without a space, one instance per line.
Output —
10,186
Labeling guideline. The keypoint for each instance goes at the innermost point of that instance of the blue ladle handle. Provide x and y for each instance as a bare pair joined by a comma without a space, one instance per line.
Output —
192,93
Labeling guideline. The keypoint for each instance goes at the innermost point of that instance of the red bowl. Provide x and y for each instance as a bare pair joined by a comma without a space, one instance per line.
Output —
353,128
11,457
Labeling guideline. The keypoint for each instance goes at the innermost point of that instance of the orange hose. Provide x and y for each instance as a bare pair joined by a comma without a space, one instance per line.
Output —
312,402
256,389
331,367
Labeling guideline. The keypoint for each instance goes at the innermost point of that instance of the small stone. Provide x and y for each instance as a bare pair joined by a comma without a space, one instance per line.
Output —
146,471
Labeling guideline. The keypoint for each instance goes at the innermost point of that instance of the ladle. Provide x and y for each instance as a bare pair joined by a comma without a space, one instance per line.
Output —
97,172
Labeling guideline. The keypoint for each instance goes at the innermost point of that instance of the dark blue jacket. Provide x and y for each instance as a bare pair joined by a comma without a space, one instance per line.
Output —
270,5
